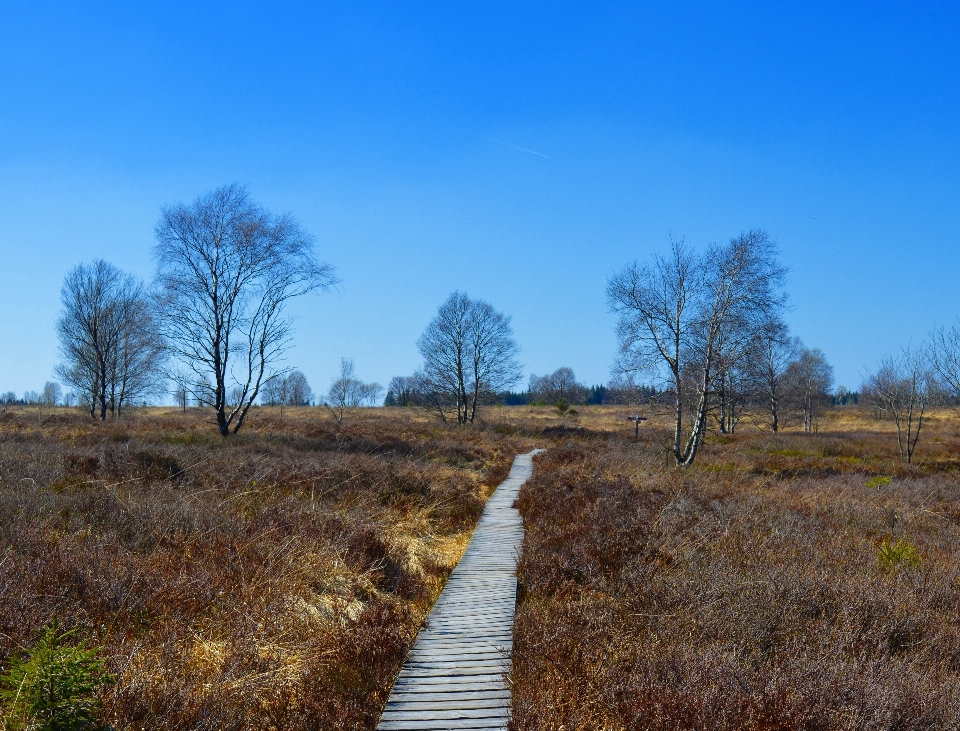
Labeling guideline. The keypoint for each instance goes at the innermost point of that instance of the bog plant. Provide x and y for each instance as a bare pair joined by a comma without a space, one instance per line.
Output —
892,555
879,481
53,687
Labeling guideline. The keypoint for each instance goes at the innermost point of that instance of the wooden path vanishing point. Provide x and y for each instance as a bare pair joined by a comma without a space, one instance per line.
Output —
453,676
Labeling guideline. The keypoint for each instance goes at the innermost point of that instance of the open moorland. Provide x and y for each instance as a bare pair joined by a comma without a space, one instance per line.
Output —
277,578
785,581
272,580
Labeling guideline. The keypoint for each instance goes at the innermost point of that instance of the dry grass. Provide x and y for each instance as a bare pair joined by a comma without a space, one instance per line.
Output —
277,579
785,582
273,580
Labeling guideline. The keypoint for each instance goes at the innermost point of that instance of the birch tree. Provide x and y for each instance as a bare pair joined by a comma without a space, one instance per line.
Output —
561,385
112,353
226,270
689,317
904,388
469,354
809,379
773,352
944,354
348,392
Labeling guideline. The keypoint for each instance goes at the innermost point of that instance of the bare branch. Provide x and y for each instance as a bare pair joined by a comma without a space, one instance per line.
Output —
225,270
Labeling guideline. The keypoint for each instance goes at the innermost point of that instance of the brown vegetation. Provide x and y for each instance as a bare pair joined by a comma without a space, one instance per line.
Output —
275,579
789,581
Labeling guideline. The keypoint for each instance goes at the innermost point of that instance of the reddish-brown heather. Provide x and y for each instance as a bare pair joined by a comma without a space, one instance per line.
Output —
760,589
271,580
277,579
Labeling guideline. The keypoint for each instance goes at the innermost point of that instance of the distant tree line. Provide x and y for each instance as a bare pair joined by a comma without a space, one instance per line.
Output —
701,333
51,395
617,392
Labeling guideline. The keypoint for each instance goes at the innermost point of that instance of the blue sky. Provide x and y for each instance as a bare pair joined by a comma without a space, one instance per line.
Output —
391,130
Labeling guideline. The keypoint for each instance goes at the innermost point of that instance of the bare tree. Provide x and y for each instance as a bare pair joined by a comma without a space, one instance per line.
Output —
809,379
287,389
347,391
728,395
734,393
226,269
300,392
689,317
656,304
944,354
468,356
181,396
275,391
445,349
561,385
904,388
111,351
52,393
402,391
771,355
135,370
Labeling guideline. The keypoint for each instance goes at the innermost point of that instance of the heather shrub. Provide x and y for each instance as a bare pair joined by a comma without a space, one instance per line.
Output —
769,587
275,579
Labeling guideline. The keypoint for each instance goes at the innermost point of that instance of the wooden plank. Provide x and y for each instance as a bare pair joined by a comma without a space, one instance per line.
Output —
452,654
462,648
466,723
411,683
461,644
450,671
448,705
453,676
494,714
452,696
466,658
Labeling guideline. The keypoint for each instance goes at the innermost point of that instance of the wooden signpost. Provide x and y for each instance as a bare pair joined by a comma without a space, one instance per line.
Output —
636,426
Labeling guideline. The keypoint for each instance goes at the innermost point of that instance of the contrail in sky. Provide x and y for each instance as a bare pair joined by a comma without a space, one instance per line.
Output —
524,149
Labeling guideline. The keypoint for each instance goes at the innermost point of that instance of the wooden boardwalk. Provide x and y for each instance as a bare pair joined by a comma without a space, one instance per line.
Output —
453,676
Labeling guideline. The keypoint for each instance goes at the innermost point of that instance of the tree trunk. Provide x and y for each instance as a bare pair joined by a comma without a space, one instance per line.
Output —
222,425
724,406
696,435
677,455
103,401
